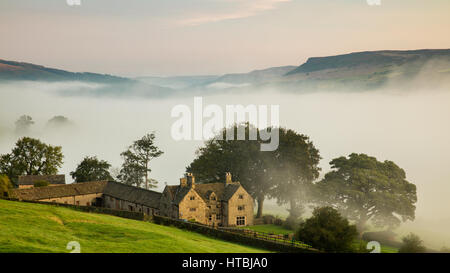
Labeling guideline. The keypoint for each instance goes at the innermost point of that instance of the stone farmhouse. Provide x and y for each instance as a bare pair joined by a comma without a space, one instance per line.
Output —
215,204
27,181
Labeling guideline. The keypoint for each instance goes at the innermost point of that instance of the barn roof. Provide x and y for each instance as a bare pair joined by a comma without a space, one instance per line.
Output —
52,179
117,190
133,194
40,193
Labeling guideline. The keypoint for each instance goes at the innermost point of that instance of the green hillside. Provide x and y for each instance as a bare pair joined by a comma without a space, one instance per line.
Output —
26,227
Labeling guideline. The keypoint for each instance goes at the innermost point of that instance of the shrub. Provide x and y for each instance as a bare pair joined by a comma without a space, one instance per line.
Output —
5,186
278,221
327,230
41,183
268,219
412,244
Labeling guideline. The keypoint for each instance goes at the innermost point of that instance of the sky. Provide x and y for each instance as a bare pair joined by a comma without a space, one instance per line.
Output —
199,37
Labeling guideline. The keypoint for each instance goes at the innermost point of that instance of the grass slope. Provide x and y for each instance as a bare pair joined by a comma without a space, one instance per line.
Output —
26,227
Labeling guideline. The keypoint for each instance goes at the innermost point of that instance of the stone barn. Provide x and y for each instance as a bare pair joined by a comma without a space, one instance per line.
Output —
216,204
107,194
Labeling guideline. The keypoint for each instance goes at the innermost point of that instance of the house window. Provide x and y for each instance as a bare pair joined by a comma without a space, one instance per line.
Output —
240,221
210,218
218,216
78,203
192,198
213,198
192,209
241,208
241,196
130,207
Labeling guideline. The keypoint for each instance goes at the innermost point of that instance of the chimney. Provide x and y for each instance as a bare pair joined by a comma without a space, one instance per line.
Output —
190,180
228,178
183,182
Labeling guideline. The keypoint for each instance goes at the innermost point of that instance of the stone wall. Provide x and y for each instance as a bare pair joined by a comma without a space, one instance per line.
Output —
118,204
79,200
192,210
240,199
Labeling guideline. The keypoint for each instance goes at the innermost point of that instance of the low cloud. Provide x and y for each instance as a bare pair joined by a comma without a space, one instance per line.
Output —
242,9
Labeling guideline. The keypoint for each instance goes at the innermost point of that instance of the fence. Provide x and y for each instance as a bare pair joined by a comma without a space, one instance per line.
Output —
233,235
278,238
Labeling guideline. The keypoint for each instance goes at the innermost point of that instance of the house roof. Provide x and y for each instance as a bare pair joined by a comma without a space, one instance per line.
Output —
117,190
222,191
52,179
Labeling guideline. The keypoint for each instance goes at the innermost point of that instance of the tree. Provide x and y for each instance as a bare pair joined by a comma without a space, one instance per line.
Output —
31,157
285,173
23,124
295,166
137,157
58,122
412,244
364,189
41,183
5,185
327,230
243,158
92,169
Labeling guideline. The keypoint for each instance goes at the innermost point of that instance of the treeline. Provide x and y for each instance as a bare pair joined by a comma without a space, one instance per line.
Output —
30,156
359,186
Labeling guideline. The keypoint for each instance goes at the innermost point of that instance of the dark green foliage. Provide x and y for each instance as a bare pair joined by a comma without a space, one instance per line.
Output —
364,189
412,244
31,157
5,186
41,183
92,169
327,230
285,174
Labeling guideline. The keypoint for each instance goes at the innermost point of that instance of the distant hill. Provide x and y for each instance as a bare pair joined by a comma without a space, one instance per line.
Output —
372,69
358,71
109,85
10,70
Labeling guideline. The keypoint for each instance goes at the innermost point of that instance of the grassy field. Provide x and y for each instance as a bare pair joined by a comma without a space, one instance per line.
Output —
384,248
274,229
26,227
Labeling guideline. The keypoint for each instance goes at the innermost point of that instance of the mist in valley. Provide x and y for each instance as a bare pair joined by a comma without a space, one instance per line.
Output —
410,128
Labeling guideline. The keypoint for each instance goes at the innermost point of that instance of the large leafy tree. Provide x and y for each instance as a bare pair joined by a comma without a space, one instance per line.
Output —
365,189
243,158
284,173
91,169
295,166
135,168
31,157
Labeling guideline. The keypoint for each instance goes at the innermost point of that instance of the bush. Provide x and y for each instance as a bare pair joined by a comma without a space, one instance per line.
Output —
327,230
5,186
278,221
41,183
268,219
412,244
292,223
